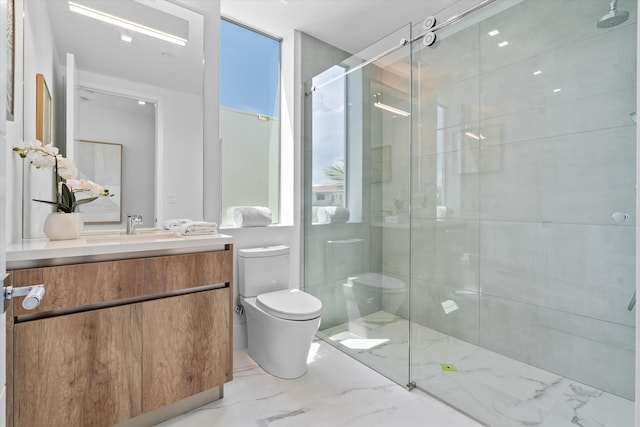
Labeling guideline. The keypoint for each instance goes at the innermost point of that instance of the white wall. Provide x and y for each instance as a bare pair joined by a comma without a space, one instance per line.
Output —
39,58
251,153
14,164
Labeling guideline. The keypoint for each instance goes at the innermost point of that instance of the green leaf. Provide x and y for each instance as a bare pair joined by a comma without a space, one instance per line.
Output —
59,206
83,201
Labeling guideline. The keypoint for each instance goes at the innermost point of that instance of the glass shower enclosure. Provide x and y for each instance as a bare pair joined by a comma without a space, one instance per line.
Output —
470,210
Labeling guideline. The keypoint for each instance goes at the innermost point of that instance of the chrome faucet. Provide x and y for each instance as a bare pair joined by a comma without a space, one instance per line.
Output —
132,221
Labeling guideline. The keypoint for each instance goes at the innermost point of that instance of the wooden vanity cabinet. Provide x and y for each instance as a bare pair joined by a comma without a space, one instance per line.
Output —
129,337
81,369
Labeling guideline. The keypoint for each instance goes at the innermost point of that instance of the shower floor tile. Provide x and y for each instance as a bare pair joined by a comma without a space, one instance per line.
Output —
336,391
490,387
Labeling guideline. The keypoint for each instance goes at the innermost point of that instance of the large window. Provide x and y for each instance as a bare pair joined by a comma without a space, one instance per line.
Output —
249,119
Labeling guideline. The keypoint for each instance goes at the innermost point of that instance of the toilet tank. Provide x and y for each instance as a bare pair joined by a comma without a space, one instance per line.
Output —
344,258
262,270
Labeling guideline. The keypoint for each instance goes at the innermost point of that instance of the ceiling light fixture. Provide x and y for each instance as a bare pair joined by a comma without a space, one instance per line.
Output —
494,33
123,23
536,73
557,90
126,38
503,44
391,109
474,136
141,103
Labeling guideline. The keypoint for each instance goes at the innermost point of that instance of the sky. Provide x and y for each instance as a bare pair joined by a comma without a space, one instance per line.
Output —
250,70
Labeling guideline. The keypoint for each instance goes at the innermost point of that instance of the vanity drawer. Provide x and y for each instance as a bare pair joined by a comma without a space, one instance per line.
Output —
77,286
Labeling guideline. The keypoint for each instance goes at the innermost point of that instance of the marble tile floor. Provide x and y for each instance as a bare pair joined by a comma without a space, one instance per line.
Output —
492,388
336,391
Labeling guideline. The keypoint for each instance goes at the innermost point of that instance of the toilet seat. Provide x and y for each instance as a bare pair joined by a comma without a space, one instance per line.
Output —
290,304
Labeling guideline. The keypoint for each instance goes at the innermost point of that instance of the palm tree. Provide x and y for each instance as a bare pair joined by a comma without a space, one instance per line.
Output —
335,173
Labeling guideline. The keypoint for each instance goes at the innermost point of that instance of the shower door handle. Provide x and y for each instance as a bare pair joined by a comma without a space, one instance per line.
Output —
632,303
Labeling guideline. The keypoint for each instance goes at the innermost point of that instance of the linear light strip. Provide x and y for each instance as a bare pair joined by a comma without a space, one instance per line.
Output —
391,109
123,23
474,136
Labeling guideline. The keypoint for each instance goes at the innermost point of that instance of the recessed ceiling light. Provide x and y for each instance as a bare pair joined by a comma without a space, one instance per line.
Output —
126,38
494,33
557,90
503,44
536,73
142,103
123,23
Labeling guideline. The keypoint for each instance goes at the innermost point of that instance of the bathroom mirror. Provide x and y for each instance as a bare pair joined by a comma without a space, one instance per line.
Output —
108,59
101,162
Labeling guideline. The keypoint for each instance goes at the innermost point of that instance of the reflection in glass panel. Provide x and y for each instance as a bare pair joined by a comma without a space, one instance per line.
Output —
358,264
329,134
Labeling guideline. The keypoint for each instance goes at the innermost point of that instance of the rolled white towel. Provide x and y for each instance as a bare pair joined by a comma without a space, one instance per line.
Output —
443,211
332,214
175,224
198,228
252,216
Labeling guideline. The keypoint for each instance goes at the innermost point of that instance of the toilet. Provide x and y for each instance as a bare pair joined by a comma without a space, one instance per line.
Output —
364,292
281,322
377,291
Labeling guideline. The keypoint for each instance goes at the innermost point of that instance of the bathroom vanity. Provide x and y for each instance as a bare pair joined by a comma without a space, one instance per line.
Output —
131,330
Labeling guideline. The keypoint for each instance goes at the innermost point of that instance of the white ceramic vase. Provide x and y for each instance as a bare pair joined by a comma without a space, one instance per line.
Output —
63,226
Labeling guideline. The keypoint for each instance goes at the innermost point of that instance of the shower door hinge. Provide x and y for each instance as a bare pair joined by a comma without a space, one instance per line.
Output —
411,385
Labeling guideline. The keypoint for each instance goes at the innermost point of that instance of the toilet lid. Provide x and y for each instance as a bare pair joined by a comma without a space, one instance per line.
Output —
378,280
290,304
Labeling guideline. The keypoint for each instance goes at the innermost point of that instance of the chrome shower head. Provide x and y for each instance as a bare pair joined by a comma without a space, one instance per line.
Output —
614,17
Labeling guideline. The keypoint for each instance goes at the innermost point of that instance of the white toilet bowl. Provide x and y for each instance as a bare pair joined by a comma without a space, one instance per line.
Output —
280,328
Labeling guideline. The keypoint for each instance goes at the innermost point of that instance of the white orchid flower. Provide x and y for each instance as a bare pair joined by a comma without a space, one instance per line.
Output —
67,168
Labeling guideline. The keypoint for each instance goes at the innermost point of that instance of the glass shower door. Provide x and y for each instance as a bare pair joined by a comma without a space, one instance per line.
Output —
523,230
357,204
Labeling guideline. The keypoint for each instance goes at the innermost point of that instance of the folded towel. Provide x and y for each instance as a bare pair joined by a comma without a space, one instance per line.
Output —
175,224
443,211
252,216
198,228
332,214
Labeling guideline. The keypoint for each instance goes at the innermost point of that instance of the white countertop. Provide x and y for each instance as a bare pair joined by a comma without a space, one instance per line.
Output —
104,246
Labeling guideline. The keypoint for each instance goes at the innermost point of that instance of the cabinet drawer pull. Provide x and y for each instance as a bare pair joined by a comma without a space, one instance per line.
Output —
33,295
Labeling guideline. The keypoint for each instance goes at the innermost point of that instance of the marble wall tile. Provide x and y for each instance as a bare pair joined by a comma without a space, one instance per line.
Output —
567,23
445,252
567,116
595,352
451,311
334,305
396,250
448,181
580,269
576,178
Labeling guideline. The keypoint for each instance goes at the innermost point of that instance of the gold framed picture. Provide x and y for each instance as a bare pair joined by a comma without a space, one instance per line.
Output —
43,110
